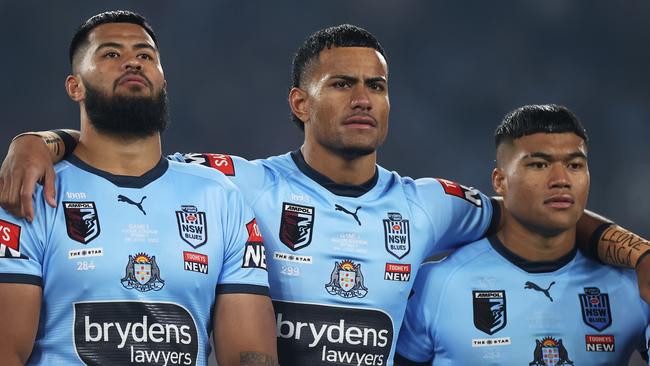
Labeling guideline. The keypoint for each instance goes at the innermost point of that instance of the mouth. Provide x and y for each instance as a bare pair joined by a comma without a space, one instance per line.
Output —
133,80
562,201
362,121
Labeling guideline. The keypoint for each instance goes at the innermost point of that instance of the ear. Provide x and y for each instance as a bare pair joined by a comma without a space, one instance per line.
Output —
499,183
299,103
75,88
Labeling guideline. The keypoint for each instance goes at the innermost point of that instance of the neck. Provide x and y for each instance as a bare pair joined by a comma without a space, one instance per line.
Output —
533,245
115,154
340,169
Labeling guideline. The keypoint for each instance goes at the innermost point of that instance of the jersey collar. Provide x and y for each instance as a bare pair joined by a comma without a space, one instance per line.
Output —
123,181
346,190
528,266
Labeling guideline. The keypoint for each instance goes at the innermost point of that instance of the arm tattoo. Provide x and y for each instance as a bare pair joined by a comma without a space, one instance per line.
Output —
256,359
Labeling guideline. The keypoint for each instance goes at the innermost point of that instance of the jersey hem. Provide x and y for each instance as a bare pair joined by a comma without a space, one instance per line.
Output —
243,289
21,278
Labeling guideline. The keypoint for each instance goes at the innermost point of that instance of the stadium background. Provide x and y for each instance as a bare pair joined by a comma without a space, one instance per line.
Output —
455,69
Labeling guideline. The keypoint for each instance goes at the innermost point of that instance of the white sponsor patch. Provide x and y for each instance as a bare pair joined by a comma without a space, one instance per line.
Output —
288,257
491,342
89,252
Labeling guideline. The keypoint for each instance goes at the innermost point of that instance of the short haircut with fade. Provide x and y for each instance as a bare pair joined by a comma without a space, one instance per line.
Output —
344,35
530,119
115,16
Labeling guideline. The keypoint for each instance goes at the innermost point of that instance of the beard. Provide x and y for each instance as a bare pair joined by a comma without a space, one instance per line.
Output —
126,116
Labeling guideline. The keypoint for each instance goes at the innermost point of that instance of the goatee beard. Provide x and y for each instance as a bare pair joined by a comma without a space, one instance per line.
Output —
126,116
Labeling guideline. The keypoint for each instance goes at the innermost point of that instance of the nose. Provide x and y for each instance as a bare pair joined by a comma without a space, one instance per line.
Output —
559,176
133,63
360,98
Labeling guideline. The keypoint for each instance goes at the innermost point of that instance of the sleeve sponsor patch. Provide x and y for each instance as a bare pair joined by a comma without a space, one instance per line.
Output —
221,162
254,253
10,241
469,194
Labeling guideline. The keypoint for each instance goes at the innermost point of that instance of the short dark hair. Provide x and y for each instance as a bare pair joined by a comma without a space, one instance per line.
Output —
530,119
115,16
344,35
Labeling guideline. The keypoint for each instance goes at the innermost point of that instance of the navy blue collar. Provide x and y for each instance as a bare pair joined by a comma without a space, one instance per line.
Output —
528,266
123,181
346,190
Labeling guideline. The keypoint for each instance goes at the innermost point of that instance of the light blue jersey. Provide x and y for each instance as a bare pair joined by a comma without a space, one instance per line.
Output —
342,259
131,266
486,306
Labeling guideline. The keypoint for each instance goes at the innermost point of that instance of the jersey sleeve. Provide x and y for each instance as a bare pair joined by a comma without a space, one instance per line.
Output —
22,246
244,261
416,342
250,177
459,214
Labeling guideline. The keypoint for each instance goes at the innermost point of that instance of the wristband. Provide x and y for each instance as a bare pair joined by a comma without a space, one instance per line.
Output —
621,247
69,143
645,254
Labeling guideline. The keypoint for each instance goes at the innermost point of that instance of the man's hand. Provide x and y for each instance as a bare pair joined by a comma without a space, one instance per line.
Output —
28,161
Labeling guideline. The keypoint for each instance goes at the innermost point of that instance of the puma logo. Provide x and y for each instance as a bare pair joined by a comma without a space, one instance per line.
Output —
126,199
531,285
353,214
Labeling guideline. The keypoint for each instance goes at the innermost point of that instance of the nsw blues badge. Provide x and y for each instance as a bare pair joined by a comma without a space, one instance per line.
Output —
595,308
81,221
192,226
396,235
489,310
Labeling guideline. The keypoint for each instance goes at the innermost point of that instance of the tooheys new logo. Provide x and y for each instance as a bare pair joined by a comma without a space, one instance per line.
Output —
134,333
310,334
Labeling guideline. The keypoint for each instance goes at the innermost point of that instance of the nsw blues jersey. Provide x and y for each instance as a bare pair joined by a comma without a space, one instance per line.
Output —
486,306
342,259
131,266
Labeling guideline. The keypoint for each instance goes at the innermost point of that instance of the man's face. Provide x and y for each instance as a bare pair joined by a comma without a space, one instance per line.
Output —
121,59
544,181
347,99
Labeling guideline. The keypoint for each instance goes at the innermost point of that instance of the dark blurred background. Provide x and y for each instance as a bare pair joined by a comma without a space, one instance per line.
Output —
456,67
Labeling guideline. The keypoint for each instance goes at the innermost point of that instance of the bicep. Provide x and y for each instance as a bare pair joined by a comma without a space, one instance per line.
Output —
20,307
244,330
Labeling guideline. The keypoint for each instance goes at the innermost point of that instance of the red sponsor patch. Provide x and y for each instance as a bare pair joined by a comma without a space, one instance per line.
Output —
451,188
599,343
221,162
254,234
195,257
10,235
398,268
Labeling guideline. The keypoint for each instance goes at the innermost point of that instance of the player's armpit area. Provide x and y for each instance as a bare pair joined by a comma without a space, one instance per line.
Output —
244,330
20,307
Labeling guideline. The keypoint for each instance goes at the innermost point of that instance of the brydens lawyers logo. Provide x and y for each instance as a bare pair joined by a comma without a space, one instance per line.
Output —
254,253
221,162
192,226
397,272
196,262
296,225
142,274
81,221
10,241
346,280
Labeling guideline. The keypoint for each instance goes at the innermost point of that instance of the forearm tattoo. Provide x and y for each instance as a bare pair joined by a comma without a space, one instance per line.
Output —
256,359
621,247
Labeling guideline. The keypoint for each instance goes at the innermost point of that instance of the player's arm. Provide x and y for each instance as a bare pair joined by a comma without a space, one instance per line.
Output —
244,330
20,306
29,160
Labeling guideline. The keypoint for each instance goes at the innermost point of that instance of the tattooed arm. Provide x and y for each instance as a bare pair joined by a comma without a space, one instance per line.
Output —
244,330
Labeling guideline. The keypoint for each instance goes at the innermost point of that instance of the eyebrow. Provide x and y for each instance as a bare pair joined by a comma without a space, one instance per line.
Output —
549,157
353,79
121,46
